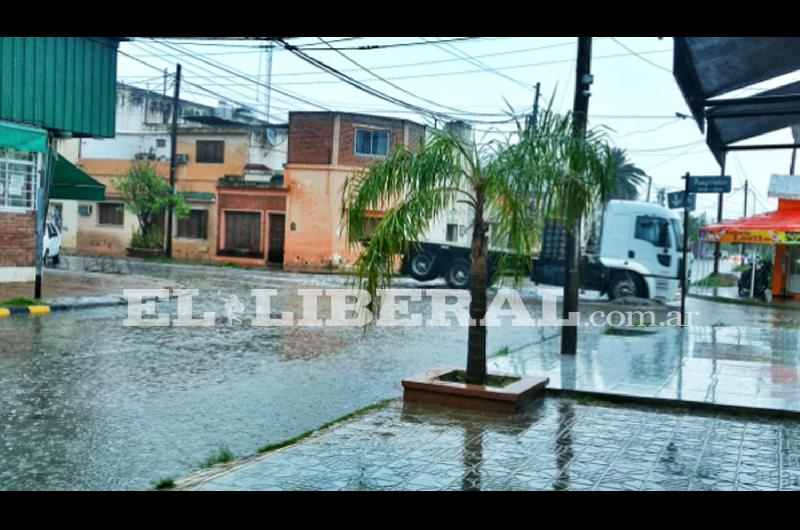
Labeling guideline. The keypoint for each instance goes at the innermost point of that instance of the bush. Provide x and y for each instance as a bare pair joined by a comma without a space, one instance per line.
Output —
153,239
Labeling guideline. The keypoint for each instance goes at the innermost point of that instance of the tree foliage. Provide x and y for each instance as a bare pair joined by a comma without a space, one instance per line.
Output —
514,185
147,195
627,176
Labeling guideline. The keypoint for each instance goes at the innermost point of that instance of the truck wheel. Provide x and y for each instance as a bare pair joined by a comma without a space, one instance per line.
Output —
458,273
422,266
56,259
626,284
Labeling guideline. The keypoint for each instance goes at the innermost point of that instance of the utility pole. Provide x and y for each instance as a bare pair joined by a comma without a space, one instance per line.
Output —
164,92
661,194
535,116
649,185
269,78
745,198
45,175
583,80
717,246
173,153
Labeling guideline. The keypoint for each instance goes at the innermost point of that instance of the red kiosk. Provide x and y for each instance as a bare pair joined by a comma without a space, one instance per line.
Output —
780,228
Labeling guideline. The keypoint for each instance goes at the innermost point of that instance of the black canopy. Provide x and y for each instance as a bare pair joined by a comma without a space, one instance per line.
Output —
705,67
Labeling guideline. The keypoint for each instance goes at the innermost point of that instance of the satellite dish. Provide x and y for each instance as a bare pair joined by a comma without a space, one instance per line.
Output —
272,137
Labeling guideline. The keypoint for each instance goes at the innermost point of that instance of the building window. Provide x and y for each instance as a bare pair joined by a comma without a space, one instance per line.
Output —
372,143
110,213
210,151
452,232
194,226
17,180
161,142
370,225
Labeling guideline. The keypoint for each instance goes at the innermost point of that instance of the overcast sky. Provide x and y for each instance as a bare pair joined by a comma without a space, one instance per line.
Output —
635,95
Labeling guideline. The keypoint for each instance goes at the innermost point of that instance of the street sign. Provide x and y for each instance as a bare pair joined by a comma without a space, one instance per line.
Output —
710,184
676,200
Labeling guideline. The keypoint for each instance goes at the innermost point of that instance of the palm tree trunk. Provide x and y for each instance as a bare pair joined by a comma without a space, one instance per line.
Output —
476,344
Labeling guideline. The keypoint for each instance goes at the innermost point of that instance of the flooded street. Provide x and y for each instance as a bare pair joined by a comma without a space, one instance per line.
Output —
86,403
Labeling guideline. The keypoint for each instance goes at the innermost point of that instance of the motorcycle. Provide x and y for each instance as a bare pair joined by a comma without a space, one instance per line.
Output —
763,279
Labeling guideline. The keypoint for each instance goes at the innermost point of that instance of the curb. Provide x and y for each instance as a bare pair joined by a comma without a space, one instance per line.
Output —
42,309
735,301
28,310
655,402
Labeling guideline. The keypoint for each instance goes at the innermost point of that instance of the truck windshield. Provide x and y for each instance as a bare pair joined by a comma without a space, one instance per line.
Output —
677,231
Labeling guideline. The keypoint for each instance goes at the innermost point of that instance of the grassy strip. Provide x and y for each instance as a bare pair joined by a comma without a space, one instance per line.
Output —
350,416
717,280
220,457
164,484
17,302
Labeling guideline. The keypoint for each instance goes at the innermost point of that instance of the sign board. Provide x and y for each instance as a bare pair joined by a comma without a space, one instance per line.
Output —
16,184
710,184
676,200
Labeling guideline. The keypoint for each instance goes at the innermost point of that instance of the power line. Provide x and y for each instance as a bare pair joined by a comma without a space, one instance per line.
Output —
401,89
216,94
642,58
372,91
475,62
396,45
440,61
201,76
244,76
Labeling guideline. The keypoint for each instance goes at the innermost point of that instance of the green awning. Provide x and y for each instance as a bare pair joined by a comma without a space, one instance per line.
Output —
70,182
23,137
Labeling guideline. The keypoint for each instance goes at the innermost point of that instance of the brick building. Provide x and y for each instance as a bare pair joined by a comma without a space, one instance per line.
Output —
294,219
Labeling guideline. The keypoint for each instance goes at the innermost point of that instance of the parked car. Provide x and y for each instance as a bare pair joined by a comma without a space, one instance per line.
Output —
51,244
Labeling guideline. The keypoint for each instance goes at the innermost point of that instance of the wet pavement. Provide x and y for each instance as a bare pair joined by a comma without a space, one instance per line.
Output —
555,444
735,366
87,403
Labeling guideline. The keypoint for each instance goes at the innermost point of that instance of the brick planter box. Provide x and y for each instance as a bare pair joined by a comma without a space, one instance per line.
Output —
427,387
144,252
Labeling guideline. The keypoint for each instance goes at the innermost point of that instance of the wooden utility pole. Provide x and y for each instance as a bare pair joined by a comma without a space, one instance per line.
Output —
583,80
173,154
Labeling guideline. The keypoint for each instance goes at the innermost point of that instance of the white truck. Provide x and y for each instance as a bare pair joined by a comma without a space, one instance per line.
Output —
638,252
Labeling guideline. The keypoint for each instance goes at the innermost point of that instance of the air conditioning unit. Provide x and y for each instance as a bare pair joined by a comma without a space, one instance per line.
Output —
182,159
84,210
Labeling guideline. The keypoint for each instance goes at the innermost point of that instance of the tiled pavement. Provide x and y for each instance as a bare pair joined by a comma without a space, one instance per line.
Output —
556,444
755,366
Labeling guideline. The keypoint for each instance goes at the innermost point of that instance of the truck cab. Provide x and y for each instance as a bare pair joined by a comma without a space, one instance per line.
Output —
640,250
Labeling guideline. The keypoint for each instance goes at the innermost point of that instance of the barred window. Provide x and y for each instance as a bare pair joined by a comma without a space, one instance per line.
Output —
110,213
18,180
194,226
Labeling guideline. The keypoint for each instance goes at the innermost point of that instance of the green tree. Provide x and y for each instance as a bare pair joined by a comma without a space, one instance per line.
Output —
627,176
147,195
512,185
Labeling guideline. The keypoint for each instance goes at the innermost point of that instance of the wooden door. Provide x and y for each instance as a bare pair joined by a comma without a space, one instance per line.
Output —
277,227
243,234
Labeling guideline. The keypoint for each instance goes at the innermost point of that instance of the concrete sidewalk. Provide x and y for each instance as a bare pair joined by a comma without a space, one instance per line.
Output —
76,287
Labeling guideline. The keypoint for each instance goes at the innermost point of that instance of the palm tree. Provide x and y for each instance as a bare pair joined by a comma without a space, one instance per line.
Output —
515,186
627,176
